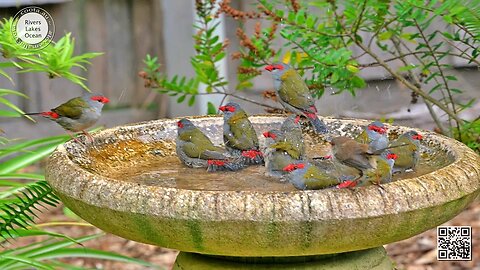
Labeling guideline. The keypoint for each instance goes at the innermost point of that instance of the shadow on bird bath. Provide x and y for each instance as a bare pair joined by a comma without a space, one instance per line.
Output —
129,182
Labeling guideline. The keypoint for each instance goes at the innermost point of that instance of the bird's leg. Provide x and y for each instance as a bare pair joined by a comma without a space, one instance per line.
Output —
88,135
73,136
377,182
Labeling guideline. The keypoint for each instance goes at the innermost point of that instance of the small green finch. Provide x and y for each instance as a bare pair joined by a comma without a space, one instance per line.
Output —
196,150
407,149
77,114
277,158
292,138
239,136
307,176
294,94
375,135
382,169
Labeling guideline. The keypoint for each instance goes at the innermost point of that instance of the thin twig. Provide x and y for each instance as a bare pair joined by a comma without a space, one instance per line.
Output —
414,77
442,75
405,82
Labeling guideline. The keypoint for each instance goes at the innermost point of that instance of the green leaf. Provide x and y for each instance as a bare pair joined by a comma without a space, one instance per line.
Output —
358,82
407,68
24,146
334,78
181,98
191,101
300,17
90,253
26,159
10,114
211,109
12,92
22,260
385,35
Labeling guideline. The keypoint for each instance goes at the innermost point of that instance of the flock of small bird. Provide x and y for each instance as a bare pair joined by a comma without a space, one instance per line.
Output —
367,159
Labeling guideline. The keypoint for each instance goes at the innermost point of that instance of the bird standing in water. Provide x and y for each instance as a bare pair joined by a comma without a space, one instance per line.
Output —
196,150
309,176
407,149
239,136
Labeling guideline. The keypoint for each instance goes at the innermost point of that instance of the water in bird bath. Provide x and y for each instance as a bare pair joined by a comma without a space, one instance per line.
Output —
156,164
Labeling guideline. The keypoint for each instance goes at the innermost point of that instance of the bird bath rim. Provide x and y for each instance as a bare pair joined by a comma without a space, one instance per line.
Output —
252,223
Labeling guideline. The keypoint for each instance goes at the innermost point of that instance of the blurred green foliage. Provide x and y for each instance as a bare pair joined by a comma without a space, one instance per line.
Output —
22,194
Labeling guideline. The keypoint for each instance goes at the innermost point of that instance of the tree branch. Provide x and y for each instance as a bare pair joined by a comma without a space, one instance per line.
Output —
406,82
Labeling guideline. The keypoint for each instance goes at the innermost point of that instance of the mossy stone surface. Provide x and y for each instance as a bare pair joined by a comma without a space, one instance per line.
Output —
251,223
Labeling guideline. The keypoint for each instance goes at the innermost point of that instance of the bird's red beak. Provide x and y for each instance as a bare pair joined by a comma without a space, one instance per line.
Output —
269,68
105,100
179,124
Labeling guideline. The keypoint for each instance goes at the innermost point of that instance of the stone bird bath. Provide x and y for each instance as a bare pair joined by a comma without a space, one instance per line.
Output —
129,182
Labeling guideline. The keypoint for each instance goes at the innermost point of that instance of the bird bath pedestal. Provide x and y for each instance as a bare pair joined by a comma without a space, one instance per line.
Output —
128,182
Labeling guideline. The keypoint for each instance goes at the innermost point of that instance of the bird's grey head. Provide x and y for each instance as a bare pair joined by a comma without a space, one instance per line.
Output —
295,167
277,70
274,134
376,128
184,124
96,101
230,108
390,157
413,136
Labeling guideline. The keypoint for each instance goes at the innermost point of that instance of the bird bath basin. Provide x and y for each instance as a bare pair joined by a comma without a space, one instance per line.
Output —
129,182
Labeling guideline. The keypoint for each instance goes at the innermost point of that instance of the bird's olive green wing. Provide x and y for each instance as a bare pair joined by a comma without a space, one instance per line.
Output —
242,135
72,109
218,154
294,91
287,147
191,150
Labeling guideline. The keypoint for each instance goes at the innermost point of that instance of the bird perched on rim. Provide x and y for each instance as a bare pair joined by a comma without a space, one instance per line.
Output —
294,94
375,135
77,114
196,150
407,149
292,138
276,159
239,136
307,176
382,169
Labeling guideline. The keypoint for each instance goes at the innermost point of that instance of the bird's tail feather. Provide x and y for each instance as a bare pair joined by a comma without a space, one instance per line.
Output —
225,165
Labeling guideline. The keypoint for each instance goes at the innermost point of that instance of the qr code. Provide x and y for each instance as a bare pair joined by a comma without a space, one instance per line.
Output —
454,243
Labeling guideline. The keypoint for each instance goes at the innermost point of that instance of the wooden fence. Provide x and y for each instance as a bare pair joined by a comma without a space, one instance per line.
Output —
125,30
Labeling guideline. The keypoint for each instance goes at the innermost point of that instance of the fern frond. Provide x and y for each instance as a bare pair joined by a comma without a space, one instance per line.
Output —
20,213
